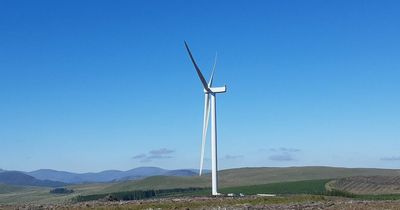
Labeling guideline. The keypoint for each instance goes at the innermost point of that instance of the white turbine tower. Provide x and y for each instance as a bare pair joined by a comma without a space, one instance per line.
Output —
209,100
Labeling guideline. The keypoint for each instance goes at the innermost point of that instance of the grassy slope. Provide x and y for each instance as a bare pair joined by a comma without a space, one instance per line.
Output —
4,188
85,189
252,176
28,194
41,195
18,194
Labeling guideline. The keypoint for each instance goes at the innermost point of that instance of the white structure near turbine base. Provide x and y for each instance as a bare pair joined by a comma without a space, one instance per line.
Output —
209,100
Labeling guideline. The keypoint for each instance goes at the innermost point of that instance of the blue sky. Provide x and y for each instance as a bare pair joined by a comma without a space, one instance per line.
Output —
95,85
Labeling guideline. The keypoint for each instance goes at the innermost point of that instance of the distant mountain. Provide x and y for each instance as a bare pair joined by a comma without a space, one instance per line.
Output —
49,174
108,175
115,175
145,172
19,178
181,172
103,176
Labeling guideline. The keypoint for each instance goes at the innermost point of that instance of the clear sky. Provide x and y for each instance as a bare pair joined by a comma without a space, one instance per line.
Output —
95,85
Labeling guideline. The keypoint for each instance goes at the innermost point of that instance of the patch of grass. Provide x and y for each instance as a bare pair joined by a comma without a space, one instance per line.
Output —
378,197
341,193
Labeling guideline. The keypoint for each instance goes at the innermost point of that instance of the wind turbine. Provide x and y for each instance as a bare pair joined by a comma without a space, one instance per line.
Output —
209,102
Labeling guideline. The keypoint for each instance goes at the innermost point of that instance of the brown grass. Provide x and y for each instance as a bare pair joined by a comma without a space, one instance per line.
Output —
375,185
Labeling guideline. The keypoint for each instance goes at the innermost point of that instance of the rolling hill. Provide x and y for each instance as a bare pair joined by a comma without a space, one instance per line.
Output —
265,175
248,176
19,178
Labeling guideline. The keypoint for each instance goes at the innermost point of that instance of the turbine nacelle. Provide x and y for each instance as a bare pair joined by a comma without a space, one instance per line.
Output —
216,90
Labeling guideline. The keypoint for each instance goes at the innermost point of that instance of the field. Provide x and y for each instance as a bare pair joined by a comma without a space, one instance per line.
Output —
307,184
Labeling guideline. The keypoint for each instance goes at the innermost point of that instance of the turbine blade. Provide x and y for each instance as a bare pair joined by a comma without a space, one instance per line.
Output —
205,126
213,70
203,81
